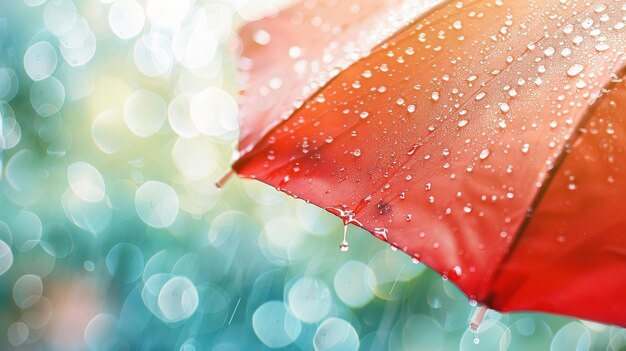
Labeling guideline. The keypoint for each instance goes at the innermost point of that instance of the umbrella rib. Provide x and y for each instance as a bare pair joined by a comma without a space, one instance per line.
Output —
576,133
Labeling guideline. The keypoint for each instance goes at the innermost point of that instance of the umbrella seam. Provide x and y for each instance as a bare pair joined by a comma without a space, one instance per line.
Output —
589,113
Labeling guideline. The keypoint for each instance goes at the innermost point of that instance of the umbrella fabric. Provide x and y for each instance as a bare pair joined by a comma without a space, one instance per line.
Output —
483,138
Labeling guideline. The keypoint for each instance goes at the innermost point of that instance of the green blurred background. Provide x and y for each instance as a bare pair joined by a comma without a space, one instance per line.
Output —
117,117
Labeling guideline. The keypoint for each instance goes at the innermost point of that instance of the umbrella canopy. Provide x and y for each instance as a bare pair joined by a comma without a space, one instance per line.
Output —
484,138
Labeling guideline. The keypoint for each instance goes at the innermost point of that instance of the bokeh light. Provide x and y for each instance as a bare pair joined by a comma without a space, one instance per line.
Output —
116,119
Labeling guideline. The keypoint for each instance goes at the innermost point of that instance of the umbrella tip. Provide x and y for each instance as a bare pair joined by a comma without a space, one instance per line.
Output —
478,318
220,183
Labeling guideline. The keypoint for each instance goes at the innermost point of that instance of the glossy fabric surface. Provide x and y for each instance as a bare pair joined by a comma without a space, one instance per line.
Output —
457,139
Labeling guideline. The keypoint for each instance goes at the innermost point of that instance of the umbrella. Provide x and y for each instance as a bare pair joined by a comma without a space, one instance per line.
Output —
483,138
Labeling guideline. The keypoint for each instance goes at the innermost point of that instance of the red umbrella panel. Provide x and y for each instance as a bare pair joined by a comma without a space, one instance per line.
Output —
483,138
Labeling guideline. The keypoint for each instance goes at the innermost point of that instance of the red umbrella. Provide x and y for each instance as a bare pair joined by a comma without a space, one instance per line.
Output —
483,138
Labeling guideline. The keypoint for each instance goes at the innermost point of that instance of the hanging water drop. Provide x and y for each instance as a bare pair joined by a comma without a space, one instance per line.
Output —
344,246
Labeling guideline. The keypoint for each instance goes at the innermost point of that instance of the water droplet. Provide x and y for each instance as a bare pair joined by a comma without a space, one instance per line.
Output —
295,52
587,23
344,246
602,47
504,107
575,69
262,37
484,154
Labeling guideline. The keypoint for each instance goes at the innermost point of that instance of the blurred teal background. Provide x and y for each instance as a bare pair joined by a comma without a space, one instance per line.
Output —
117,117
